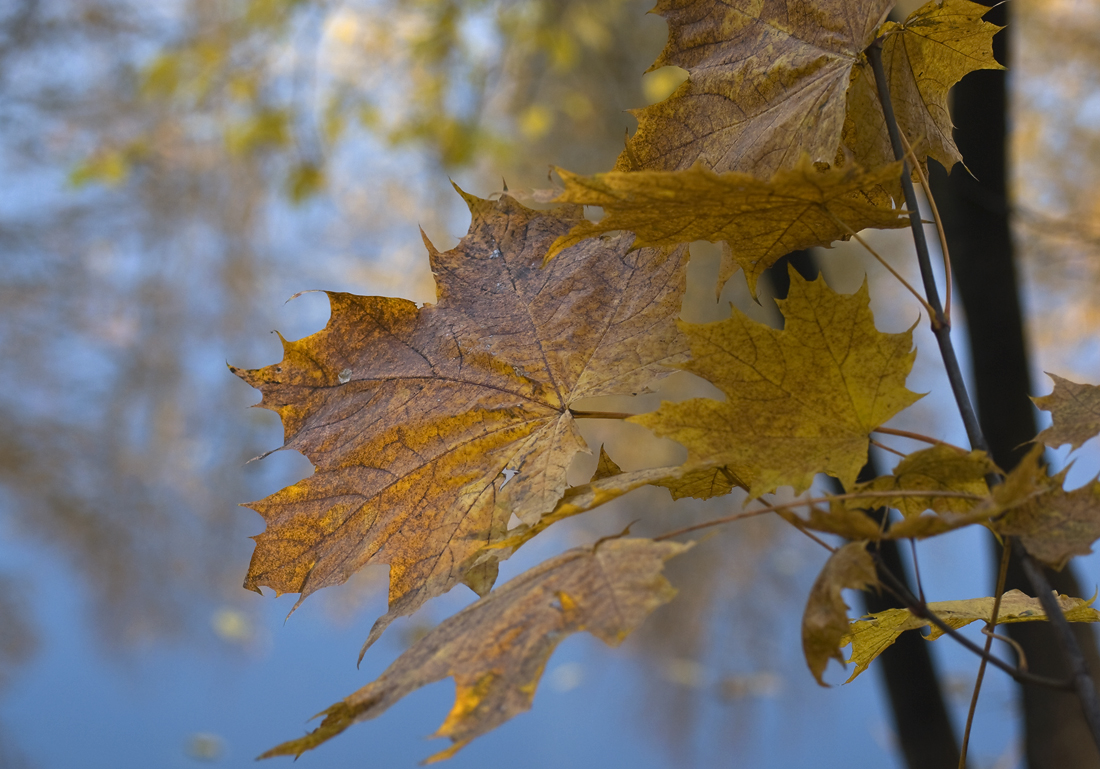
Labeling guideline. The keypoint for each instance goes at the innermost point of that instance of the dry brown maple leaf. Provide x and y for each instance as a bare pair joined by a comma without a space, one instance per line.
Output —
497,648
411,415
1076,412
767,83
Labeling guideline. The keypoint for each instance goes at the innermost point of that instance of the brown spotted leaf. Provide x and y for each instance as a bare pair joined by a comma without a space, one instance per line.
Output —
1076,412
873,634
799,401
411,415
496,649
760,220
767,80
923,57
825,620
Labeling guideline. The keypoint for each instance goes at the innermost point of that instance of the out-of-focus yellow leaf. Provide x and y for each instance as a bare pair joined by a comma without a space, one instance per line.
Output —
799,401
497,648
305,181
873,634
1076,412
760,221
825,620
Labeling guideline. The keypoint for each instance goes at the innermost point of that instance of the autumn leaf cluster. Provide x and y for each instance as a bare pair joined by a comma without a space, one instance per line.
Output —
432,428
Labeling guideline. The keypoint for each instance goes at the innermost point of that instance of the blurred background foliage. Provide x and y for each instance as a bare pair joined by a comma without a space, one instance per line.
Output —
173,171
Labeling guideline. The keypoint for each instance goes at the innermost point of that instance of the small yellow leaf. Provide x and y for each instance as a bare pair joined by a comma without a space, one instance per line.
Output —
825,620
497,648
1076,412
939,468
873,634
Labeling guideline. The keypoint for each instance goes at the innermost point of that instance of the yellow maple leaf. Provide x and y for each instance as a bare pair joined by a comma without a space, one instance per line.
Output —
825,619
923,57
1076,412
799,401
760,220
766,84
411,415
939,468
497,648
873,634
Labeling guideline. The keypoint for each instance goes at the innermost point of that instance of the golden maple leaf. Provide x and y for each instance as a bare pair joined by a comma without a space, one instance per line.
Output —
497,648
825,619
799,401
923,57
761,221
939,468
1076,412
410,416
766,84
870,636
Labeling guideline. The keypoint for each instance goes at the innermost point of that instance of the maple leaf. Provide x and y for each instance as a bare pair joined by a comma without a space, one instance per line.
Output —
923,57
873,634
1053,524
766,83
760,221
939,468
825,620
497,648
410,416
799,401
1076,412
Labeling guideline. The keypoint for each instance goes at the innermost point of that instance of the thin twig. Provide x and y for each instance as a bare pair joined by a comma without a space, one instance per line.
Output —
1002,575
919,437
811,535
940,326
1021,658
916,570
815,501
883,262
939,227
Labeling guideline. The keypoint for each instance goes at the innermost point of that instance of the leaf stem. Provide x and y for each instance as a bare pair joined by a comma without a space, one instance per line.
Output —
1002,575
884,447
814,501
918,437
883,262
939,227
581,414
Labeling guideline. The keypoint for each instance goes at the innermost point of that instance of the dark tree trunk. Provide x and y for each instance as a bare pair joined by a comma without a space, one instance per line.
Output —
976,216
